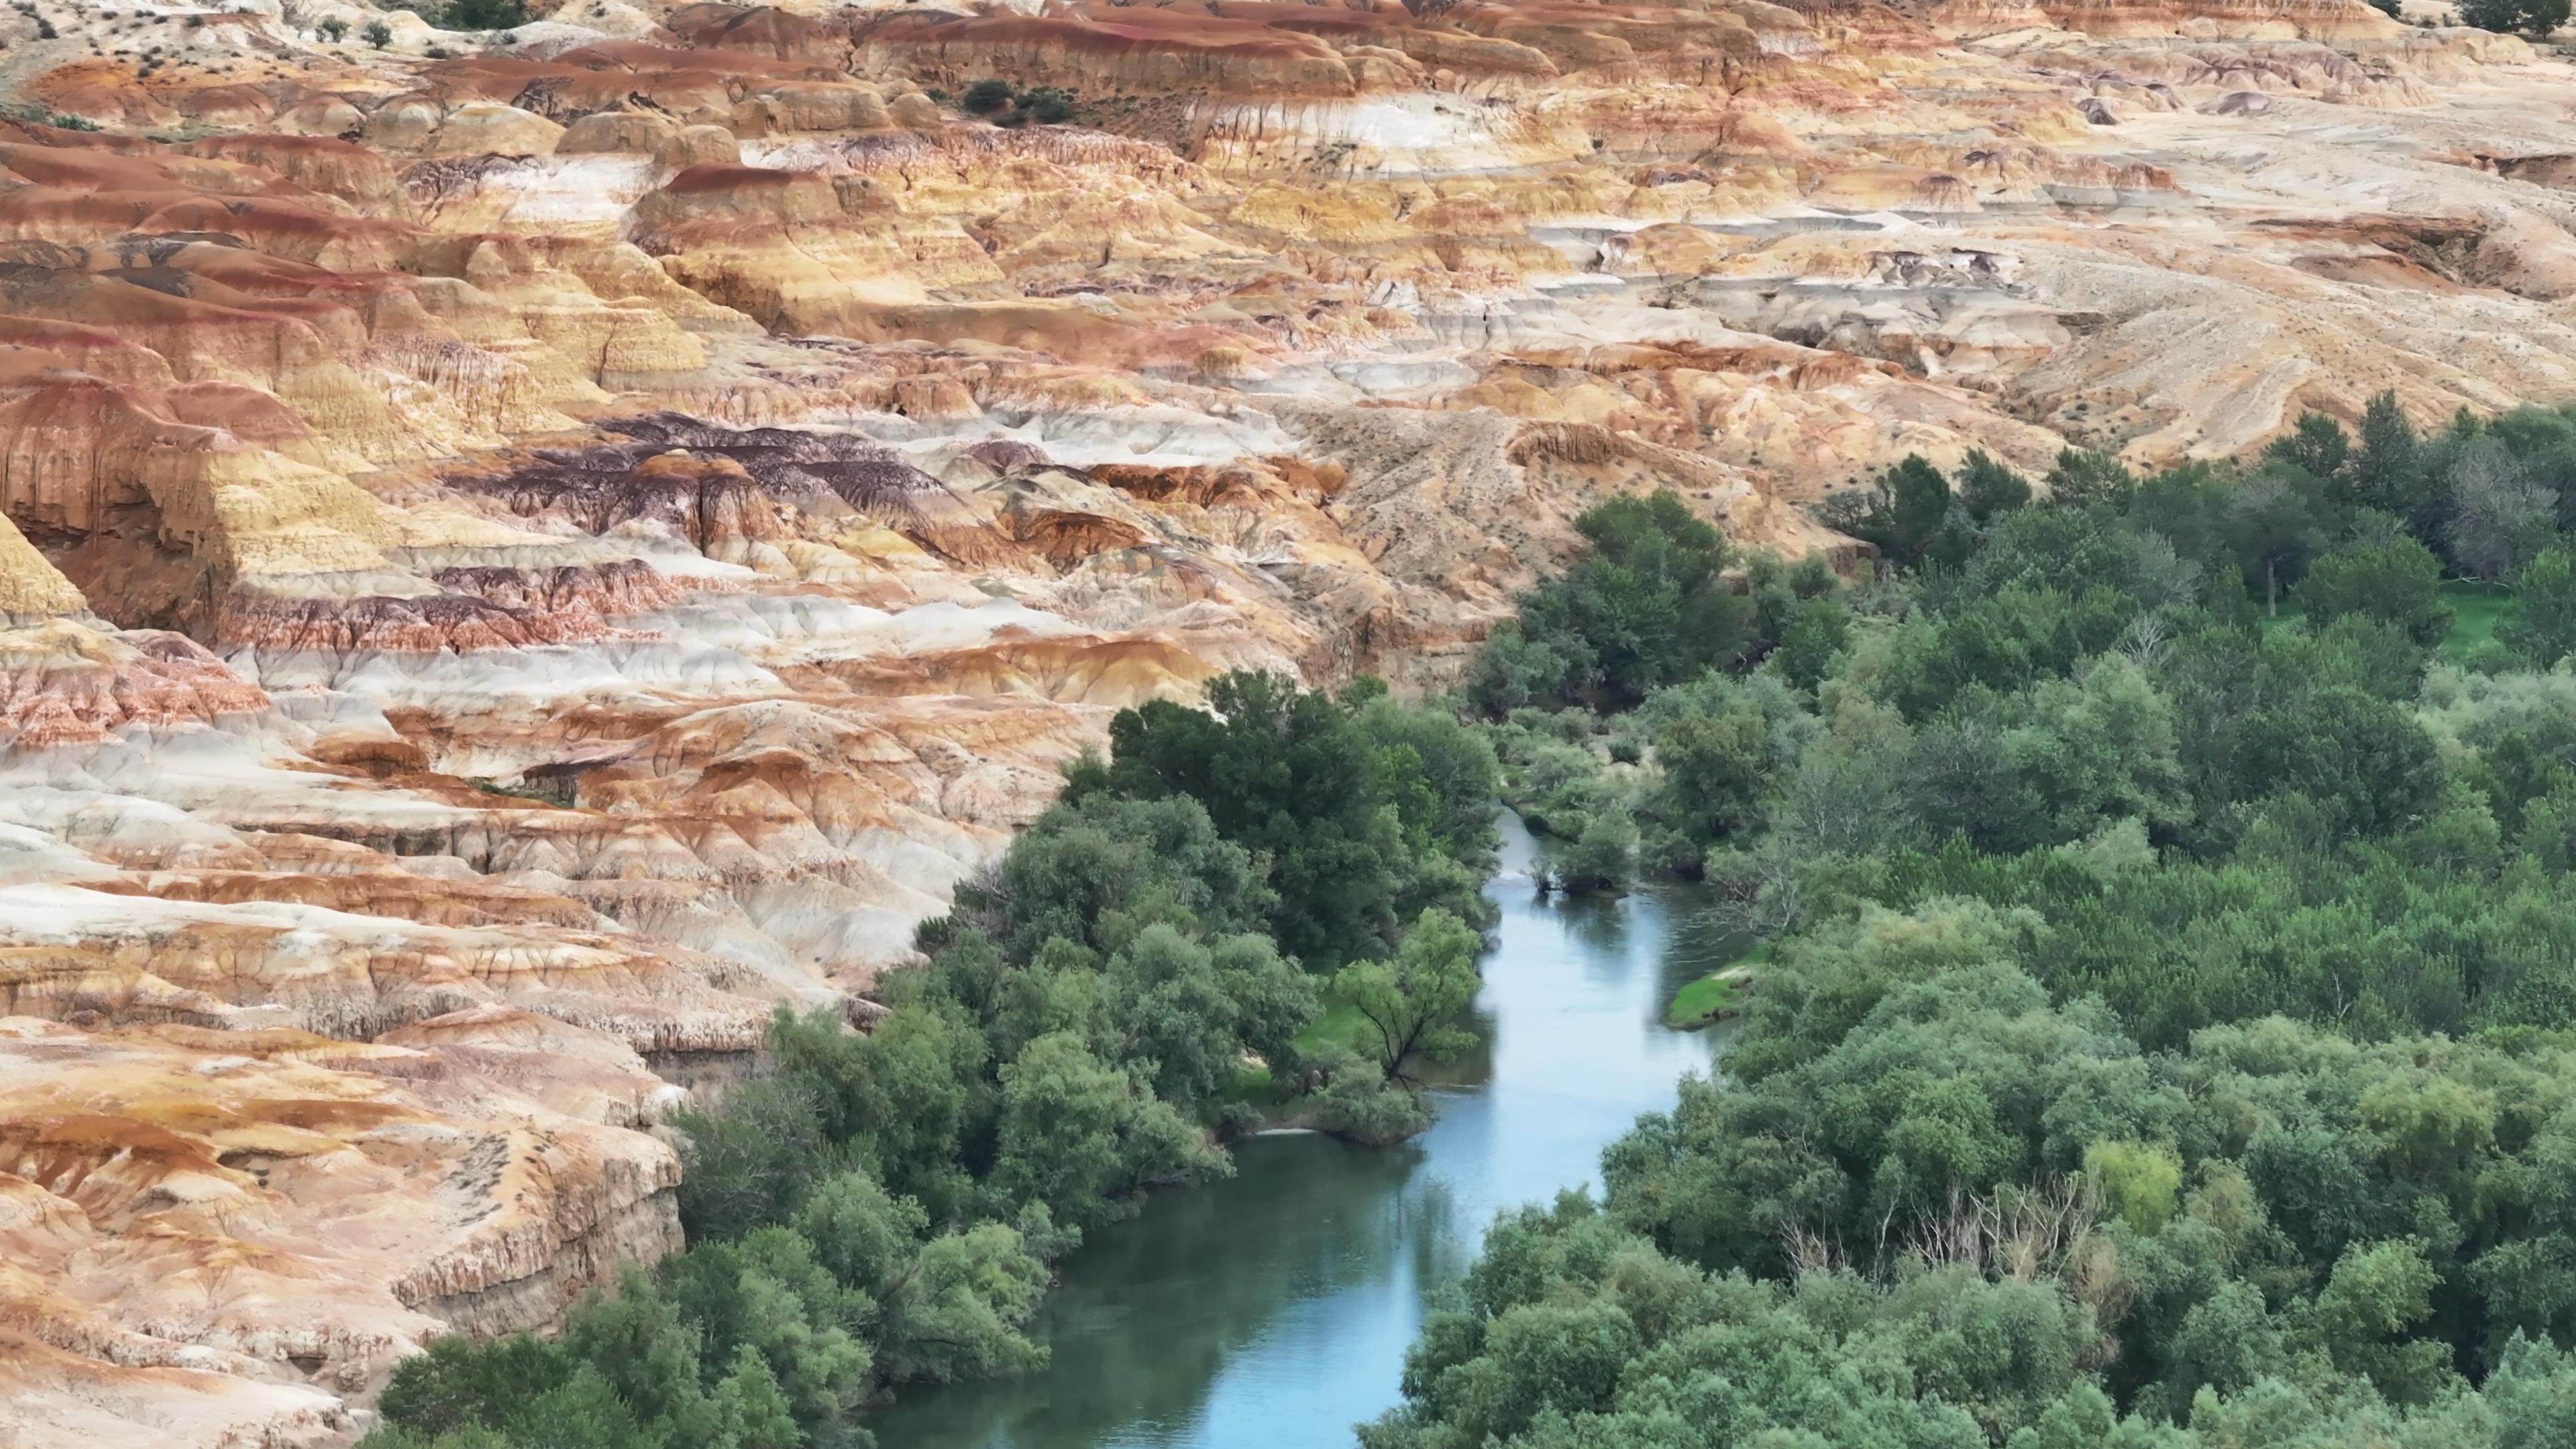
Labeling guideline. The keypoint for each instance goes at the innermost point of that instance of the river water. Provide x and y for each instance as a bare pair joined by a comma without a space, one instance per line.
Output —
1272,1310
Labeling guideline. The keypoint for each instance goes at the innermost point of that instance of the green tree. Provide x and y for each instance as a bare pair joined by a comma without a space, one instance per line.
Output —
2272,532
456,1383
2389,471
1987,488
765,1291
754,1161
2081,476
2396,581
1603,856
2363,761
1079,1135
2541,625
1647,607
2137,1181
1297,777
1414,1001
1514,670
1905,512
752,1412
2529,17
2316,445
1814,643
2502,511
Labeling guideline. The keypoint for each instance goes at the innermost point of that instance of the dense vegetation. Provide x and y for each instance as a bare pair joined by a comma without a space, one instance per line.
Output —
2167,1029
881,1206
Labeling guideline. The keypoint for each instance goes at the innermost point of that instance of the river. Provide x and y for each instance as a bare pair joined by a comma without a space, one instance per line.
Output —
1273,1309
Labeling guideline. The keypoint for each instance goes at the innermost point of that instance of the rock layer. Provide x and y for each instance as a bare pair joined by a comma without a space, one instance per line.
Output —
520,553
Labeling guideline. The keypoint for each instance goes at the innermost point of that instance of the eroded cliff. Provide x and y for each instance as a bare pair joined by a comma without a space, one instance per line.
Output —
525,550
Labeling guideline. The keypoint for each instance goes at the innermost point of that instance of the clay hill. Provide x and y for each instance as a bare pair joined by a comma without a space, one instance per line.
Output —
525,549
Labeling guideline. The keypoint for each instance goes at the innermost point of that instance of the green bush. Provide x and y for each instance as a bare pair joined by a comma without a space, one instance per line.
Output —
484,14
1602,858
1047,105
1648,607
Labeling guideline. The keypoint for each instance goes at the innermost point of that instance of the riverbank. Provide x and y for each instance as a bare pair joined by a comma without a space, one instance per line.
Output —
1275,1307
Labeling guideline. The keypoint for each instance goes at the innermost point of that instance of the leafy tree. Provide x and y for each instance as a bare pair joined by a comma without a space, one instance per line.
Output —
2359,759
1186,1012
1988,489
2316,445
752,1163
2390,471
2542,623
2081,476
1603,856
2273,531
1906,513
1515,670
1358,1102
454,1383
1814,643
1413,1002
2396,581
1722,745
1441,777
2138,1182
1647,607
1047,105
751,1410
2529,17
1079,1135
1296,776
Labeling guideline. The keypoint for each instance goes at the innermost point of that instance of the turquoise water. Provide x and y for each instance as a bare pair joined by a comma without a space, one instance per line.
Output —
1274,1309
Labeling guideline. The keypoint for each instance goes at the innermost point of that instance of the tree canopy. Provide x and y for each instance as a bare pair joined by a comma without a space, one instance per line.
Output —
2166,1035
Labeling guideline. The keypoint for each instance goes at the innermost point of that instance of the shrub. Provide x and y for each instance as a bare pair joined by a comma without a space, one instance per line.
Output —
1603,857
986,96
1047,105
485,14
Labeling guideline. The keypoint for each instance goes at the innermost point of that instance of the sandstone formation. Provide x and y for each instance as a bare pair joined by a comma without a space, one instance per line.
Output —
523,551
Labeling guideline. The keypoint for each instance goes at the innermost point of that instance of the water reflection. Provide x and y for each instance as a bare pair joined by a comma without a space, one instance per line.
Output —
1275,1308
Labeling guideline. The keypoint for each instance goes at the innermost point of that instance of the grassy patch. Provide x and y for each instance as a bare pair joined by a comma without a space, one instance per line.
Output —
1703,1000
1340,1025
1720,993
2475,611
1257,1086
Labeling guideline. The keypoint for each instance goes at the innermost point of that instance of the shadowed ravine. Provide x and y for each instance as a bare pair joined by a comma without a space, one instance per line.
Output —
1275,1308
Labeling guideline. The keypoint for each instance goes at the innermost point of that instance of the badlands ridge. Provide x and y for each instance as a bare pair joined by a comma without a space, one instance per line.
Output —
523,550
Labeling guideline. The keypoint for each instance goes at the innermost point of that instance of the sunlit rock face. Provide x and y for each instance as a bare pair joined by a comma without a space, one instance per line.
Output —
521,553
